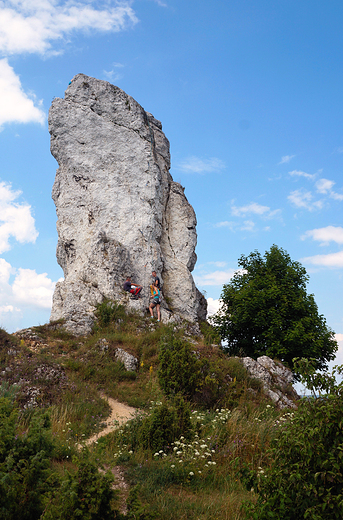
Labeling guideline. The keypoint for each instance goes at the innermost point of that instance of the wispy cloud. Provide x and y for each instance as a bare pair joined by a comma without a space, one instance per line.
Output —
15,218
225,223
304,199
33,26
214,278
15,105
286,159
253,209
325,186
302,174
194,164
329,260
325,235
248,225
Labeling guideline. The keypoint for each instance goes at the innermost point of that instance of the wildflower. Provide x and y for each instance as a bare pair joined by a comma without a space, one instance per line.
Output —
151,369
156,454
199,471
191,473
180,460
172,466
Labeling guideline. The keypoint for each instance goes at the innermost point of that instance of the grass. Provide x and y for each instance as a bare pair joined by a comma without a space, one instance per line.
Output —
228,445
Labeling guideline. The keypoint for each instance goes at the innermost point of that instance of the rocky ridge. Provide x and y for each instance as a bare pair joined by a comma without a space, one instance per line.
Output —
119,211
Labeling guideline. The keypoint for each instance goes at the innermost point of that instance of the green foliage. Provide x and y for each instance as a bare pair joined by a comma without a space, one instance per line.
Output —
24,463
109,311
305,480
165,424
267,311
180,370
210,333
7,390
86,495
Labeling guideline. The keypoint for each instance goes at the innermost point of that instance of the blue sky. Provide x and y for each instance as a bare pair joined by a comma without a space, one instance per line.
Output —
249,95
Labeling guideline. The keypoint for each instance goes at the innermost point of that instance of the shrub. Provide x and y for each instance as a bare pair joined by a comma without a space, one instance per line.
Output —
180,370
109,311
305,480
87,495
165,424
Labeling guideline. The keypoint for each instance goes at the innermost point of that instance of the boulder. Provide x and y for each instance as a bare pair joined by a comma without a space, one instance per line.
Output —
119,211
276,379
129,361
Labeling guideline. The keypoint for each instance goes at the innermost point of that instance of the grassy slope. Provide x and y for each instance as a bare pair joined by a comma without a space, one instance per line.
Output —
231,434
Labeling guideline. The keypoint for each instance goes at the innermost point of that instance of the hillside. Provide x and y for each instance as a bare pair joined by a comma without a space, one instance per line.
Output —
196,447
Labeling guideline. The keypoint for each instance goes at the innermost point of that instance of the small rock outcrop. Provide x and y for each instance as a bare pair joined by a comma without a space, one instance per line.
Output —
119,211
276,379
129,361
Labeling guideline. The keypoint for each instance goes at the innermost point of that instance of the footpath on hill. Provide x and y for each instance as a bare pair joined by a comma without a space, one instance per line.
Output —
120,414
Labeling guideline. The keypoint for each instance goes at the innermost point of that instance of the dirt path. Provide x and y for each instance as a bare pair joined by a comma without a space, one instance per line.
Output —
120,413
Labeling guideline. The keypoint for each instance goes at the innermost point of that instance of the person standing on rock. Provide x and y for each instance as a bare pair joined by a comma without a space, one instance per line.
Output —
156,280
156,300
132,288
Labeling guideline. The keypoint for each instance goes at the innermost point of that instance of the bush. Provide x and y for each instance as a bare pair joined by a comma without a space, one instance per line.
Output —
87,495
109,311
305,480
166,423
180,370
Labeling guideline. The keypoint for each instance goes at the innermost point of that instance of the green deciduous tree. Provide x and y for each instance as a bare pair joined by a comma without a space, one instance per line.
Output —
266,311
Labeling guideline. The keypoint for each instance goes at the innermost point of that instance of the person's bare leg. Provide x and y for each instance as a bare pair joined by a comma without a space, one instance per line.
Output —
158,312
151,310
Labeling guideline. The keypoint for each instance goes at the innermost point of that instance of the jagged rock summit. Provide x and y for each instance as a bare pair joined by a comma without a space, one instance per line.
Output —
119,211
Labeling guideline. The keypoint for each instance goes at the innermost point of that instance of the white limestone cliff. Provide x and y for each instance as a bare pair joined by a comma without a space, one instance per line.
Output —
119,211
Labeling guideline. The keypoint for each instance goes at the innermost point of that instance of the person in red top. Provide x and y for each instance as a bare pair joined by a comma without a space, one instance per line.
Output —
132,288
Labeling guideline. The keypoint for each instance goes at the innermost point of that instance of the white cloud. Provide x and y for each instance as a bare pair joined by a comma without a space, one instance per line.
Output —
329,260
32,25
28,288
304,199
112,75
225,223
254,209
15,219
214,278
286,158
299,173
213,306
324,185
248,225
218,264
336,196
197,165
326,235
15,105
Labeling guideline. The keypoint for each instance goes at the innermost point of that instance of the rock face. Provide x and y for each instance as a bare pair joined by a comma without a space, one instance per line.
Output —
119,211
276,379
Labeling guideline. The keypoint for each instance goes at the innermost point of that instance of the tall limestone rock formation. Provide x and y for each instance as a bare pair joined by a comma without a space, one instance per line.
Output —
119,211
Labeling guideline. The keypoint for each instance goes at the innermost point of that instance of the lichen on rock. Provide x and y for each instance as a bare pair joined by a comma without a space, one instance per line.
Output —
119,211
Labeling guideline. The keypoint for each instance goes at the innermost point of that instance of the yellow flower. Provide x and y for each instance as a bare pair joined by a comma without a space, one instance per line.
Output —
151,369
142,364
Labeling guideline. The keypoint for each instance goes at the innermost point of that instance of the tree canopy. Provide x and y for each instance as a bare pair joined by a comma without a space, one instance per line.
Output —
266,311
